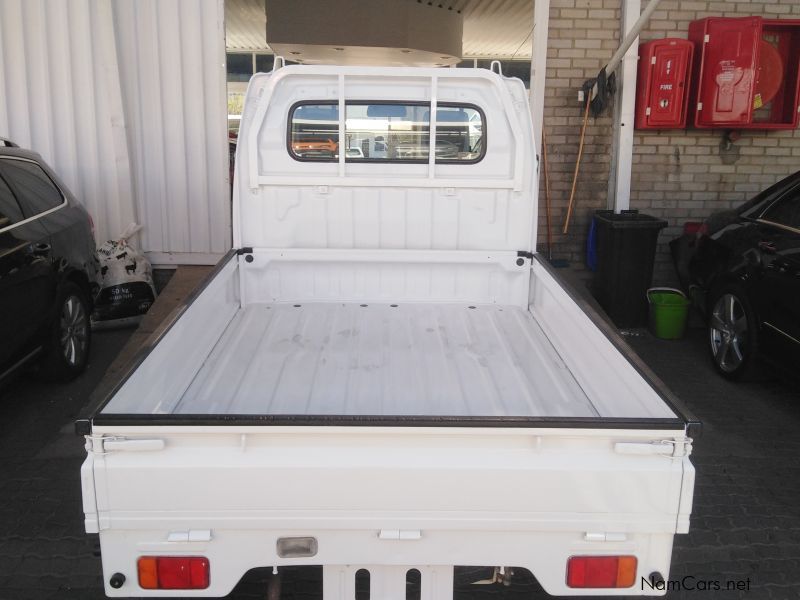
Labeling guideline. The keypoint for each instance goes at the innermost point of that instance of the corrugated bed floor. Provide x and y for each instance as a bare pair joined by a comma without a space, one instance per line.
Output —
412,359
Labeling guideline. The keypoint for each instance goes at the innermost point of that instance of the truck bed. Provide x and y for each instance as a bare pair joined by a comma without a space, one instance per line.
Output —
302,360
379,359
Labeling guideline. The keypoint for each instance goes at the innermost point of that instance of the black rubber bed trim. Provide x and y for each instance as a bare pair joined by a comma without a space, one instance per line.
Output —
92,414
389,421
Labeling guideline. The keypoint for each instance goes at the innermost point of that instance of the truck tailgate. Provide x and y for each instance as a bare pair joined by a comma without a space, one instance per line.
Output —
390,496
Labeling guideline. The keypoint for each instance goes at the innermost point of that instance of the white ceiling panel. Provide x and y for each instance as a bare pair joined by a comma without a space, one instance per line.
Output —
245,25
496,28
492,28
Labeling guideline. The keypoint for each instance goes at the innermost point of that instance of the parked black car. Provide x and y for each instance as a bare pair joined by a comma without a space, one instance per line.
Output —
48,269
742,268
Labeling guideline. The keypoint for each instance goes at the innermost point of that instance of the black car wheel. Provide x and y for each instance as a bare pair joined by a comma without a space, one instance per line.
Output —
733,333
67,350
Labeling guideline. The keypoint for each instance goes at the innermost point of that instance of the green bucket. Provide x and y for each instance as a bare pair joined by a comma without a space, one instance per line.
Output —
669,309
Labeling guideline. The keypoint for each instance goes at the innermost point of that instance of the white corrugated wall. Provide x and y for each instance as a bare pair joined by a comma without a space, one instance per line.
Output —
60,96
172,65
126,100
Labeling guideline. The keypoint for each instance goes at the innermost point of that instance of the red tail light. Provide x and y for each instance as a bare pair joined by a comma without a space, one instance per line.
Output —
601,571
695,228
173,572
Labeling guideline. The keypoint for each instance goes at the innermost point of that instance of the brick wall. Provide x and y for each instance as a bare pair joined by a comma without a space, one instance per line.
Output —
583,35
678,175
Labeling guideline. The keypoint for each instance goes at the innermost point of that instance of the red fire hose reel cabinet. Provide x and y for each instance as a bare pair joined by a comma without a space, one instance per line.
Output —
746,73
662,92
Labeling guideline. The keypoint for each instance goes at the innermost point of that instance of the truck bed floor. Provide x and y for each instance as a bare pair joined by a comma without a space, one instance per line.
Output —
378,359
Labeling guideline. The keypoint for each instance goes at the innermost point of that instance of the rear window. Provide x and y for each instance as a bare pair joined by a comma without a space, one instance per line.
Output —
753,207
10,212
396,132
386,132
35,190
315,131
785,211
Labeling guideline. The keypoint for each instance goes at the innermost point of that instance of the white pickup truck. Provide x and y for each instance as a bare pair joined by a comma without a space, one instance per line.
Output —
383,376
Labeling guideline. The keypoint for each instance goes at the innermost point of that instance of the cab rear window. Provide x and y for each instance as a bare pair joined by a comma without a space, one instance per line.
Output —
386,132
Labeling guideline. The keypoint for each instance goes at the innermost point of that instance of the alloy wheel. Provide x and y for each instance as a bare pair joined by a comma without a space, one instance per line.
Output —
74,331
728,331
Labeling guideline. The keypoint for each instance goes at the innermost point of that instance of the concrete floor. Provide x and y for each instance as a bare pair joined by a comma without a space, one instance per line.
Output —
43,552
745,523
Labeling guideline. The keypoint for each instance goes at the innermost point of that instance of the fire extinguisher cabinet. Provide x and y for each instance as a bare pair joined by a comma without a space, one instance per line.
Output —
747,73
662,93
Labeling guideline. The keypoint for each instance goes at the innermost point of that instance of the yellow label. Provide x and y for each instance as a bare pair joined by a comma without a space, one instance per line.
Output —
757,103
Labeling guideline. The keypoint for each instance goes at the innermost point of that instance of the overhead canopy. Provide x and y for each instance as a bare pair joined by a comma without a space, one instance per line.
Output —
353,32
245,25
492,28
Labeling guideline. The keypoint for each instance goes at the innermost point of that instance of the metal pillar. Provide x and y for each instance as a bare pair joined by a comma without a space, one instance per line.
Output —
619,184
541,19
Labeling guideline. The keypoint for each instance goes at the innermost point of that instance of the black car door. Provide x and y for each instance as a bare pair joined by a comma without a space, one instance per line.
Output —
779,293
26,279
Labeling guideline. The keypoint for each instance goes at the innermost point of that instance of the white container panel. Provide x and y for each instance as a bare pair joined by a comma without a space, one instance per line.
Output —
172,72
60,96
126,101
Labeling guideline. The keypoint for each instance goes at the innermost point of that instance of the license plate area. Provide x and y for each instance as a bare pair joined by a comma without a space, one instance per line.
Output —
379,582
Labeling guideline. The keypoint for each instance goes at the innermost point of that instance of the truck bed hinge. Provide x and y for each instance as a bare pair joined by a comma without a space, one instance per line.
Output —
103,445
671,448
525,254
244,250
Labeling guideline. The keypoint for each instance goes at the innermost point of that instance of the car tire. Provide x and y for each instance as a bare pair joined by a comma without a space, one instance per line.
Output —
66,351
732,333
